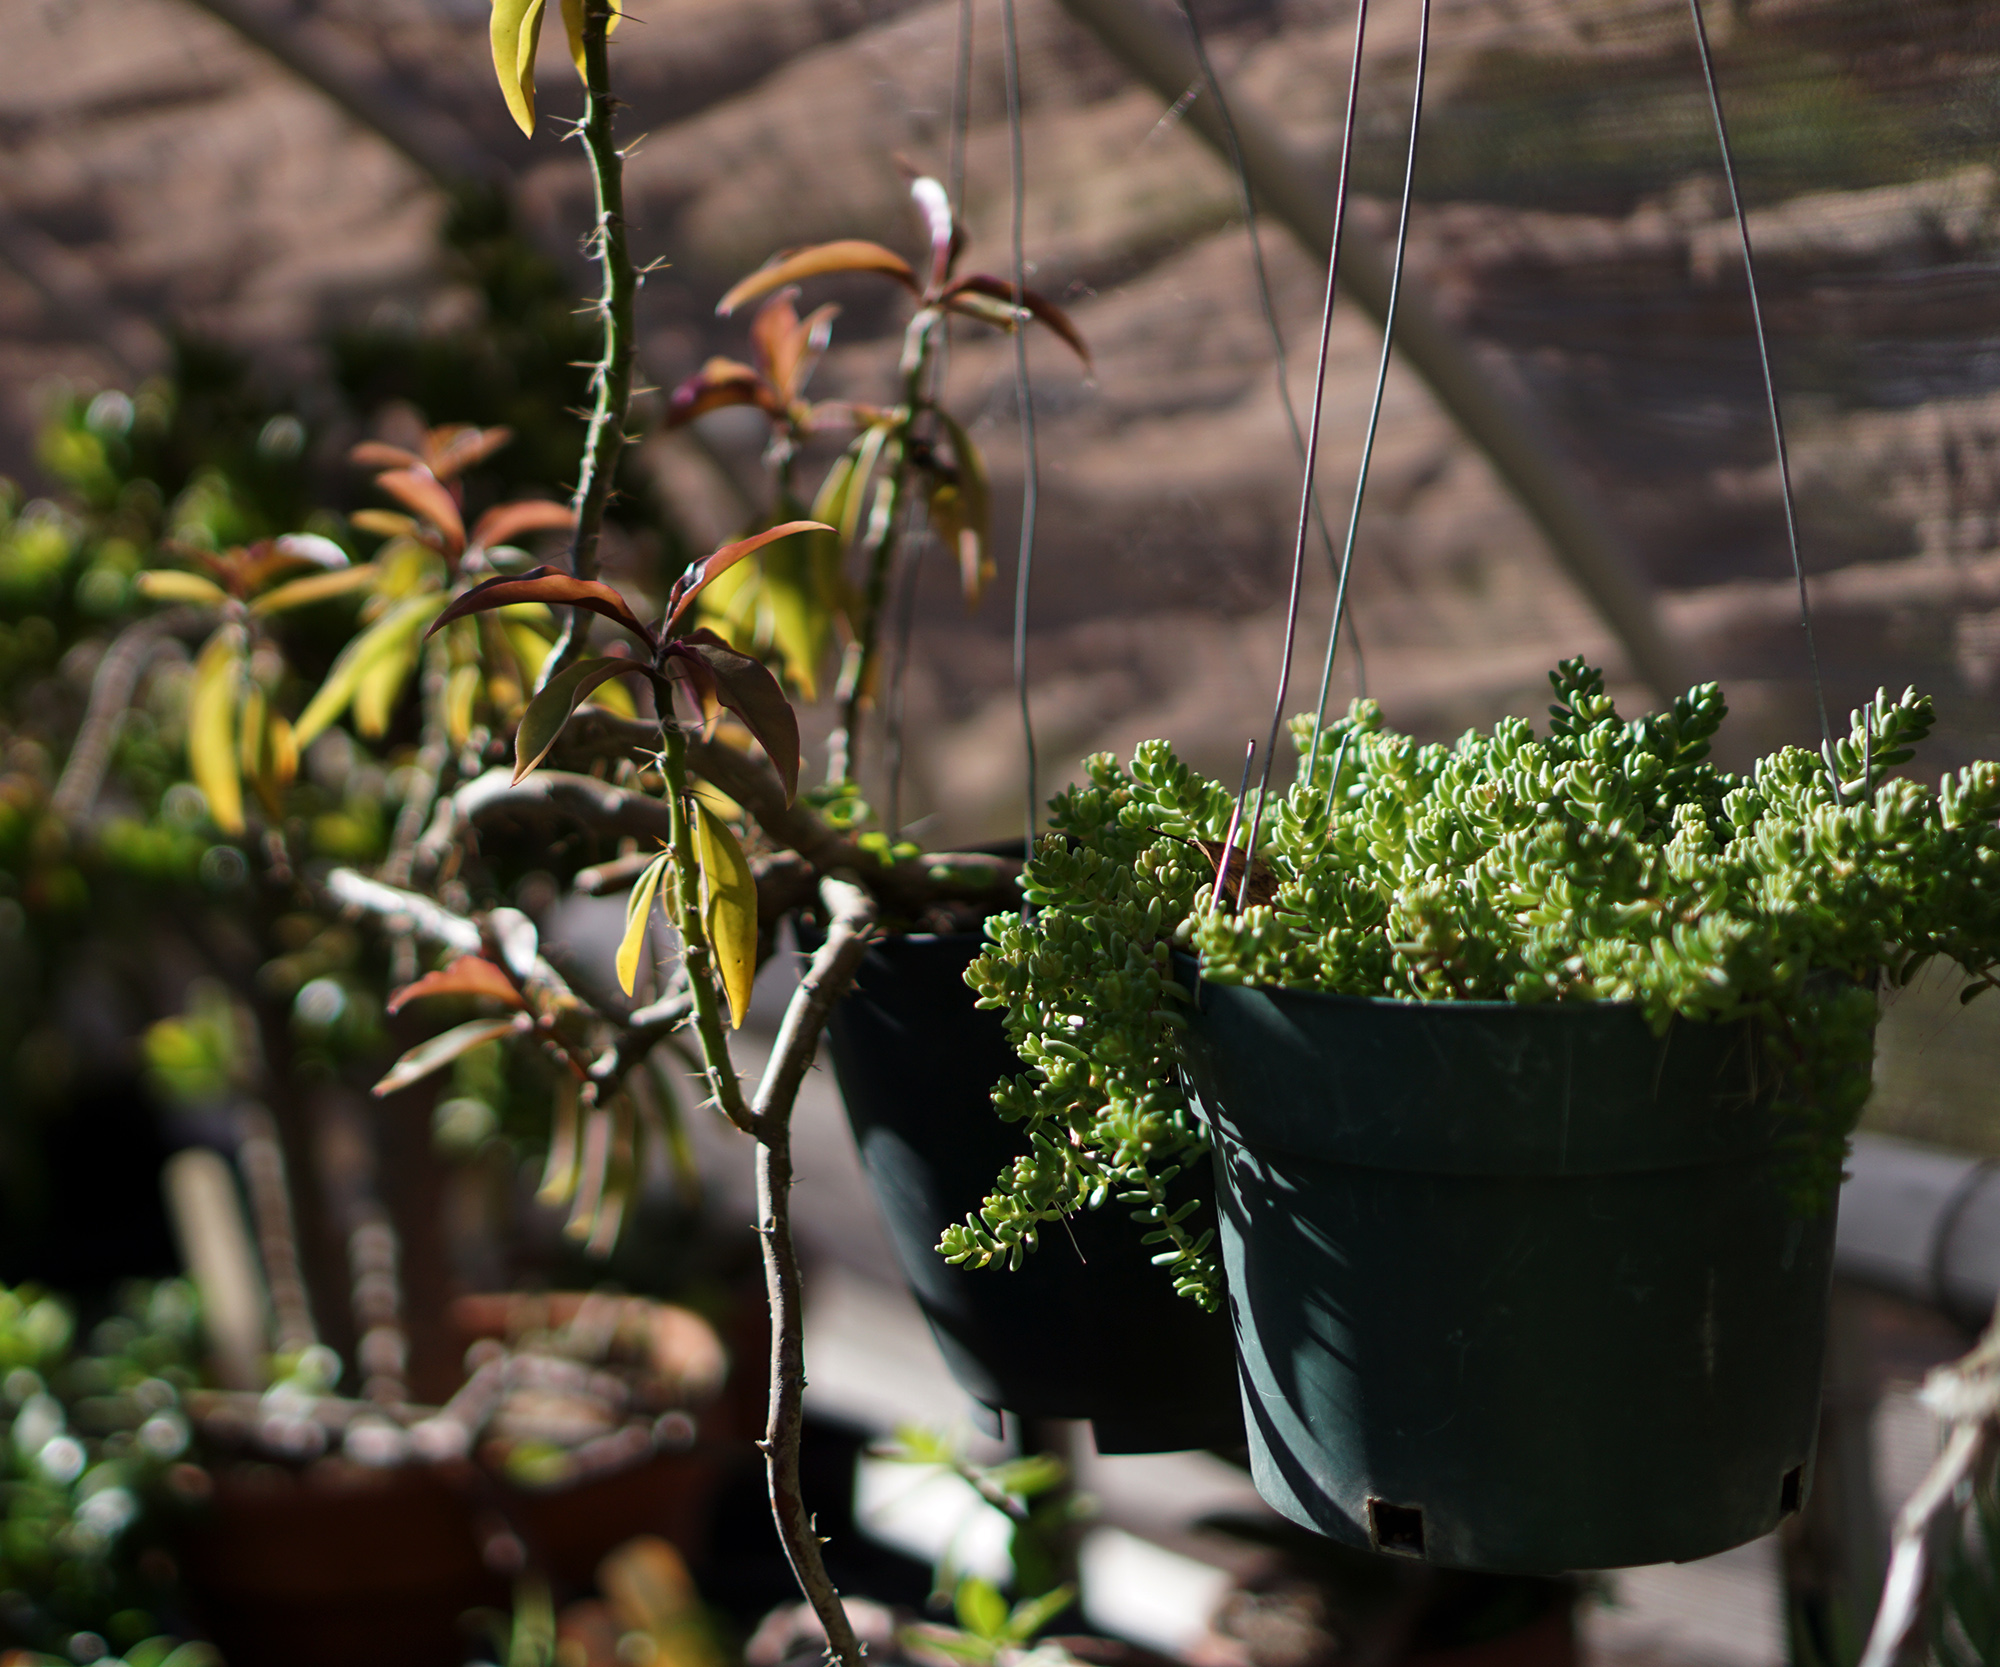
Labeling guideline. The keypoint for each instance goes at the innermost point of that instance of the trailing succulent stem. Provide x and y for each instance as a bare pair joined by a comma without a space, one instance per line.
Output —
1604,861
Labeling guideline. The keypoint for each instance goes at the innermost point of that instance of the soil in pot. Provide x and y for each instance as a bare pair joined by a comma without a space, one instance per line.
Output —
1087,1327
1515,1288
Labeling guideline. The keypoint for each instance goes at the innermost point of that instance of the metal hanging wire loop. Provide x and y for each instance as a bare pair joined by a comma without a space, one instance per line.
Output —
1381,385
1770,384
1246,201
1318,406
1024,396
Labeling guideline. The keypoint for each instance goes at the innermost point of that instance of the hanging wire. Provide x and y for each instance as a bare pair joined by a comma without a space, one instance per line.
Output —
1312,438
1770,385
1246,201
916,539
1381,384
1030,471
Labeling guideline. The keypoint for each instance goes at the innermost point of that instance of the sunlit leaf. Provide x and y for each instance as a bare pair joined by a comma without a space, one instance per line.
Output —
558,1181
316,587
746,686
378,686
551,709
638,914
420,492
311,547
967,295
379,454
729,907
504,523
280,766
982,1611
165,584
389,636
460,691
1032,1614
868,452
516,29
552,586
469,975
848,255
689,584
572,15
440,1051
211,726
529,648
935,204
452,448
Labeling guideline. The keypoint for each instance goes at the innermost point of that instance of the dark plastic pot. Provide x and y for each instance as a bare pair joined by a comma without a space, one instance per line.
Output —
1087,1327
1515,1288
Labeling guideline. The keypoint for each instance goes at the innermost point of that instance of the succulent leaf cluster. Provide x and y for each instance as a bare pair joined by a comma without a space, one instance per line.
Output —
1604,860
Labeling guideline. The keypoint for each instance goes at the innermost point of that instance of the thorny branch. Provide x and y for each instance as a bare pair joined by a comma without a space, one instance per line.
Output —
851,915
1967,1395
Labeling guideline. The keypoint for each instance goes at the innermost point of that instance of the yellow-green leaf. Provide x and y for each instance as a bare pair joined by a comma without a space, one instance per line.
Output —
459,693
558,1182
530,648
390,635
316,587
440,1051
801,623
516,31
375,694
211,727
572,16
165,584
638,914
867,453
729,907
250,732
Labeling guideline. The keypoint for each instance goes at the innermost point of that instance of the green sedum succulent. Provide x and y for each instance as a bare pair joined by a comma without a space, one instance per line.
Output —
1606,860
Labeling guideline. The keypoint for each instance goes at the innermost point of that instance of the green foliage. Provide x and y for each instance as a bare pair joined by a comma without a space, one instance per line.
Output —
1967,1629
93,1459
1604,861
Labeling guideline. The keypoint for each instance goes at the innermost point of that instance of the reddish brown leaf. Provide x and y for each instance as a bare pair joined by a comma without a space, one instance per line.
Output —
542,723
1039,307
503,523
790,356
748,689
379,454
718,383
424,495
689,584
456,447
549,585
849,255
469,975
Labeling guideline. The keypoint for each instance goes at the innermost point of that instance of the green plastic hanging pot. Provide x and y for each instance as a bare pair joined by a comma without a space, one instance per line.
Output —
1515,1287
1087,1327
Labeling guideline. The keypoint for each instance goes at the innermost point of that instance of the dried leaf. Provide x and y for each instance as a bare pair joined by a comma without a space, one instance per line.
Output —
572,16
972,514
316,587
390,635
746,686
469,975
638,915
718,383
849,255
963,296
439,1052
689,584
425,496
559,698
211,725
552,586
503,523
516,31
729,907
